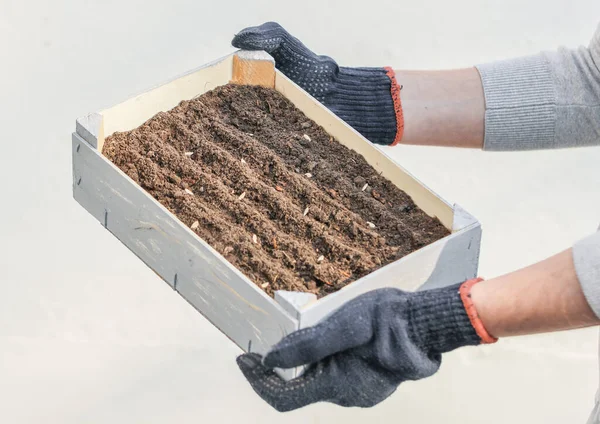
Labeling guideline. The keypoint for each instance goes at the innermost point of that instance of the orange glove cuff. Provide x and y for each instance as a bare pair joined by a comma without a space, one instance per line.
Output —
465,295
395,88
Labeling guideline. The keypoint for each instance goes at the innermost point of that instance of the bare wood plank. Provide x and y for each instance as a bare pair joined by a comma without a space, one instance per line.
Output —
450,260
135,111
426,199
197,272
253,68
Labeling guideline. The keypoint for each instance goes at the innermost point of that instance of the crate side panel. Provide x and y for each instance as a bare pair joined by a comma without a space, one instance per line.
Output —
134,112
448,261
203,277
426,199
458,260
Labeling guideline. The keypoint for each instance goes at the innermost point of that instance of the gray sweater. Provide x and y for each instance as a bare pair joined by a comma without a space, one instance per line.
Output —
549,100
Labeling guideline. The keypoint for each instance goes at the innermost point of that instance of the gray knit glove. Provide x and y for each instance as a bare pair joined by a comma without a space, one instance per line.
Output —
368,99
363,351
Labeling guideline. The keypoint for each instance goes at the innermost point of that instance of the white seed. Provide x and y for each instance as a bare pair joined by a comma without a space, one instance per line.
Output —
365,187
306,137
254,239
241,196
188,191
201,189
370,224
308,175
264,285
321,258
243,161
195,225
188,153
305,212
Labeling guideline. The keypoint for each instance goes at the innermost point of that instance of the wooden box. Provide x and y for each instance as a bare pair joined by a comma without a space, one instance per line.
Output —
241,310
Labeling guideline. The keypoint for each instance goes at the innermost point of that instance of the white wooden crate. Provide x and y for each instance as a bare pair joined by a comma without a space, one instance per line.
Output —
226,297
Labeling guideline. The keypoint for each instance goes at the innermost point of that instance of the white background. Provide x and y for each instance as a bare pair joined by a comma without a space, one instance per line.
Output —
88,334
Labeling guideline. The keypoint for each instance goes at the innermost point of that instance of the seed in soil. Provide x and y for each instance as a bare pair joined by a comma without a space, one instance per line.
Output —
311,165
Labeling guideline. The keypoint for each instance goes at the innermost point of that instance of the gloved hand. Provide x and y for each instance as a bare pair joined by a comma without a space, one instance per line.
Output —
363,351
368,99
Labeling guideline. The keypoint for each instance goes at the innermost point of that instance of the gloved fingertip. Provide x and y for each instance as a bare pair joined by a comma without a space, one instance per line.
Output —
235,42
249,361
286,357
259,37
272,360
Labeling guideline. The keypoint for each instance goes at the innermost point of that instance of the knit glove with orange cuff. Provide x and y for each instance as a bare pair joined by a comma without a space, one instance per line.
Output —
361,353
368,99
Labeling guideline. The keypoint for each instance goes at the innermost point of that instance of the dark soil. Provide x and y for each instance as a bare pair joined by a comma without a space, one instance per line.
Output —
271,191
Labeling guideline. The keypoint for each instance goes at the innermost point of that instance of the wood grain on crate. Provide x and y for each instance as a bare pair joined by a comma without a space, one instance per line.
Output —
253,68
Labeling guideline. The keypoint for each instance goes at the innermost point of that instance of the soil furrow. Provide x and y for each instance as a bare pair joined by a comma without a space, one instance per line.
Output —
270,190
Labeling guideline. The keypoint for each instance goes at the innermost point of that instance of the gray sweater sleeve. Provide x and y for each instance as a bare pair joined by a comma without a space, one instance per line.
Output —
549,100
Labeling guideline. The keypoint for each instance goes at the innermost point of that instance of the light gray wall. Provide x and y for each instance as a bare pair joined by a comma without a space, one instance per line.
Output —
89,334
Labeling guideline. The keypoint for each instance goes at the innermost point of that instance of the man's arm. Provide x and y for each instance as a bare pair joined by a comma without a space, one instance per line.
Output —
359,354
443,108
540,298
364,350
543,101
